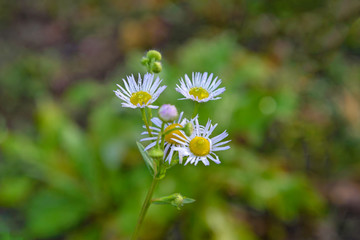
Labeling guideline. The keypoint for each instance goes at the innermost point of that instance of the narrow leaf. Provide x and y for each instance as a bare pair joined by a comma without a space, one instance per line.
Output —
165,200
188,200
147,159
176,200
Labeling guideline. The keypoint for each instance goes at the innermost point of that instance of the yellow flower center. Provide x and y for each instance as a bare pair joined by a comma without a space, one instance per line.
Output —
140,97
199,146
168,137
199,92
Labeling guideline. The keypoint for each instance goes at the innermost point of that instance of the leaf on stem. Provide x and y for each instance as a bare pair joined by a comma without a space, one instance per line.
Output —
147,159
176,200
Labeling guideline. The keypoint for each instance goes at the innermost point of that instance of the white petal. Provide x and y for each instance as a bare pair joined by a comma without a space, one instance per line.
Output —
221,148
221,143
150,146
214,159
148,139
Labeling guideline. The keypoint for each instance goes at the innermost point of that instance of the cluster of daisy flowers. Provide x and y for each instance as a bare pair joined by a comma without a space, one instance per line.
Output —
172,138
198,145
171,134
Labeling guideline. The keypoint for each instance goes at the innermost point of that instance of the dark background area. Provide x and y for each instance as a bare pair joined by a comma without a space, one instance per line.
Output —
69,166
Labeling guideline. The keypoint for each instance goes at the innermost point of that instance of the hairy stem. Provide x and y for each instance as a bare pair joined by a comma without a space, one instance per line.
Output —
160,135
149,116
145,207
143,114
196,109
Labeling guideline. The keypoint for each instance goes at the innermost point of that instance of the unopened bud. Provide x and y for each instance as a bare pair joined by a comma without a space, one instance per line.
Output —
178,201
188,129
168,113
144,61
156,67
156,153
154,54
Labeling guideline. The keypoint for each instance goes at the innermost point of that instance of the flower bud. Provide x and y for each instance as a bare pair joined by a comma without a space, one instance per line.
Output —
178,202
154,54
168,113
144,61
156,67
188,129
156,153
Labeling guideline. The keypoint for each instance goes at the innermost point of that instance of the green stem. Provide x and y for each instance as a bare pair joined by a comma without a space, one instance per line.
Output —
160,134
145,207
149,115
162,141
196,109
149,66
145,121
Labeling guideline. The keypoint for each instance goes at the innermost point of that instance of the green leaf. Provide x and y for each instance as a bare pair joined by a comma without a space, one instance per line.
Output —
176,200
188,200
165,200
14,190
50,213
148,160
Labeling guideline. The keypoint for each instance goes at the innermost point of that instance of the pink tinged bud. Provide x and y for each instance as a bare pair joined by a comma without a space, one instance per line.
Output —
168,113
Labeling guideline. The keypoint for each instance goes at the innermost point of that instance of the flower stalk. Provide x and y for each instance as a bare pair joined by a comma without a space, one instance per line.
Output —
149,116
161,135
145,207
196,109
143,114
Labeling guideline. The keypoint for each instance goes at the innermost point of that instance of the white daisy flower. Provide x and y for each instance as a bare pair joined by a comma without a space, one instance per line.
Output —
199,146
140,94
170,138
201,88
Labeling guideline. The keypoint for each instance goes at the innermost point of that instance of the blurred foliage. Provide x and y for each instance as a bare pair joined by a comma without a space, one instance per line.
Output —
69,164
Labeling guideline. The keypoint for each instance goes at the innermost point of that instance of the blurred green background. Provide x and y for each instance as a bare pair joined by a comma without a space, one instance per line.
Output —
69,165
